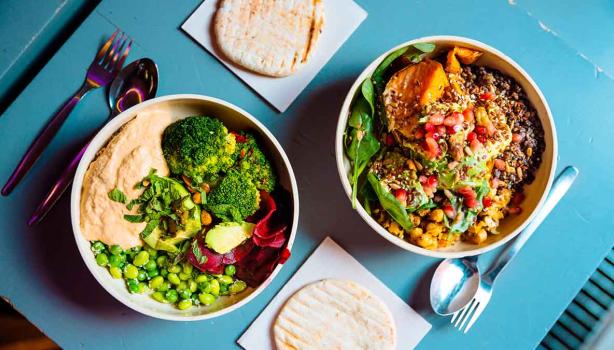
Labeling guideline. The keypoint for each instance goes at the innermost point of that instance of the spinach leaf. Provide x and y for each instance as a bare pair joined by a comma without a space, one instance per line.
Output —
368,93
378,73
390,203
117,195
425,47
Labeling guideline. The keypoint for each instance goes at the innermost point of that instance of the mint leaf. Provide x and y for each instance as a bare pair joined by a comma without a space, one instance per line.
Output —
117,196
134,218
197,253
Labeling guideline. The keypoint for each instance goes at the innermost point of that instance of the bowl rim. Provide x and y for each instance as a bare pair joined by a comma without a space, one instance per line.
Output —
102,137
339,151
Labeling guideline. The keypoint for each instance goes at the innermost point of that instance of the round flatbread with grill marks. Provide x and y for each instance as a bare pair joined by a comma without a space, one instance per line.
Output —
334,314
270,37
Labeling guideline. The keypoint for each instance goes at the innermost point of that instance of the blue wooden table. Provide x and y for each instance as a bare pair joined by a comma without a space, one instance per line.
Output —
570,57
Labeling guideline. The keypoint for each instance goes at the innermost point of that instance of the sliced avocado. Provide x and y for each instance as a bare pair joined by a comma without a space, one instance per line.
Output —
189,214
225,236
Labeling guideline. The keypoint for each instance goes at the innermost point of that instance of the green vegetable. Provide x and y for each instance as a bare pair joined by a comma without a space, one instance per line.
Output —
102,259
206,299
390,203
230,270
252,162
224,279
98,247
142,275
225,236
159,297
156,282
173,278
152,273
235,198
150,264
115,272
117,196
214,287
141,258
468,215
237,287
171,296
198,147
130,271
363,143
197,253
116,250
184,304
425,47
115,261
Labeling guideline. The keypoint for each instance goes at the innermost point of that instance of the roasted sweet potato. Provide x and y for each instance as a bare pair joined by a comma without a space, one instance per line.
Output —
462,54
411,88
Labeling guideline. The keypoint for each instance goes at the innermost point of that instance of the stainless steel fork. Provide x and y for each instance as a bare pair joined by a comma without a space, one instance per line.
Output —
101,72
467,316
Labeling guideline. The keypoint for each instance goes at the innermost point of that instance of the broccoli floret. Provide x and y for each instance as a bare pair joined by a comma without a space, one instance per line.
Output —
253,163
198,147
234,198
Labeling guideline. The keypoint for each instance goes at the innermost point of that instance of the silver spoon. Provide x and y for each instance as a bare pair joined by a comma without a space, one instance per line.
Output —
136,83
456,281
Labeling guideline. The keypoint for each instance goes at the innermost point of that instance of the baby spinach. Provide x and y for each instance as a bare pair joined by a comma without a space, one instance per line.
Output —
363,144
469,216
390,203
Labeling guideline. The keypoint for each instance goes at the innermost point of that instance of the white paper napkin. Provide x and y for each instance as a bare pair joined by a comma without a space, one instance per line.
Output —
341,18
329,260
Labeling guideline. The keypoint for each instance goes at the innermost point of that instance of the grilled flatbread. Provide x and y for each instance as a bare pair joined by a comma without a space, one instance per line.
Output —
270,37
334,314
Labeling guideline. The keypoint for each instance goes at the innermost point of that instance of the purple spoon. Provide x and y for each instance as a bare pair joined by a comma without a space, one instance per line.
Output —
136,83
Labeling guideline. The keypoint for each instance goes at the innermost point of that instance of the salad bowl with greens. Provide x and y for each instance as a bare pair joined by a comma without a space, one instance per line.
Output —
184,207
445,146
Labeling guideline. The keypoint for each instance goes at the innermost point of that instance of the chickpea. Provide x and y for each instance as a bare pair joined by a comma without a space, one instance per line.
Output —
436,215
426,241
415,233
433,229
478,237
395,229
415,219
205,218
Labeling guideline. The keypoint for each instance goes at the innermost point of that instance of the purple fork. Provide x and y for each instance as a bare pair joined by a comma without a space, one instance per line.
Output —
101,72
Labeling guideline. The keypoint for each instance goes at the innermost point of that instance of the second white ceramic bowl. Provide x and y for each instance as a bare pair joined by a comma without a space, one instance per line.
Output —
535,192
182,106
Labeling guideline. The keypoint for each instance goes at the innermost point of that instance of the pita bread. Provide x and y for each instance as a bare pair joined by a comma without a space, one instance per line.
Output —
334,314
270,37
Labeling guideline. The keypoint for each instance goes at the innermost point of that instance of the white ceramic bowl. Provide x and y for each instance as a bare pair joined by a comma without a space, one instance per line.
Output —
182,106
535,192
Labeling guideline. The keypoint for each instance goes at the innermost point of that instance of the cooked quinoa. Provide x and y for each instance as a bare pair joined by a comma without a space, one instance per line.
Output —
458,165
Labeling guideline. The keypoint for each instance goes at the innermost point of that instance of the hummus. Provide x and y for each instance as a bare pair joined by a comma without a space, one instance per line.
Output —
124,161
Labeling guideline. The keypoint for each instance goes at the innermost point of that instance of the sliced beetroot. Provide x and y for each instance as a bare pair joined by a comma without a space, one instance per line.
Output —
268,232
258,265
275,239
215,262
238,253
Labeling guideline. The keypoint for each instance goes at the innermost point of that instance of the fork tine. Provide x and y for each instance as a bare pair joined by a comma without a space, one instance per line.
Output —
120,64
455,315
475,317
470,313
103,50
463,312
116,52
109,57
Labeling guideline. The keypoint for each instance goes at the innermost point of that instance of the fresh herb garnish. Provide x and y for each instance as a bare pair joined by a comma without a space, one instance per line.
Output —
197,253
117,195
134,218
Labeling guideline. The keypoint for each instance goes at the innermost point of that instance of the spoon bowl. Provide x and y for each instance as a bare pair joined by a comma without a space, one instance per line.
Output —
137,82
454,284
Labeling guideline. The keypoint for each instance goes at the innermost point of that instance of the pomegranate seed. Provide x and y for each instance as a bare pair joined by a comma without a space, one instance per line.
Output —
516,138
500,164
480,130
471,136
436,119
482,138
389,140
433,135
419,134
239,138
471,202
517,198
441,130
487,96
467,192
449,211
454,129
515,210
432,181
486,202
468,115
429,127
475,145
401,195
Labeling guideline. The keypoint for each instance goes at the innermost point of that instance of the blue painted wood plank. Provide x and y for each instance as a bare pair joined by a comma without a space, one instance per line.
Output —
46,280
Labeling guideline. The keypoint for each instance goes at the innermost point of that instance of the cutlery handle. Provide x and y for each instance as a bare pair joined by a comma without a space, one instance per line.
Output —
42,140
58,189
560,186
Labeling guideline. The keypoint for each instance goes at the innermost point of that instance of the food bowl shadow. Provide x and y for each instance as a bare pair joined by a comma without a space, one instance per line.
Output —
325,209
